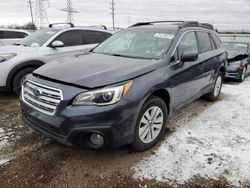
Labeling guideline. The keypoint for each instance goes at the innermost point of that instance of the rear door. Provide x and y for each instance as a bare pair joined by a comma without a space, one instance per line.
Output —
93,38
186,79
208,57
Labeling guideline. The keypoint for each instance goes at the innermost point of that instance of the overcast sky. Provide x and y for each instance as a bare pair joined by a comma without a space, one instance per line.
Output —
226,14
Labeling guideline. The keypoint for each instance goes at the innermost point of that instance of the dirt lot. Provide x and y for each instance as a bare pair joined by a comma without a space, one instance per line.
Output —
30,160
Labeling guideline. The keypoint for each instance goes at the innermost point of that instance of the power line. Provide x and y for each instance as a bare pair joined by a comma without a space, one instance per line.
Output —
41,18
113,12
70,10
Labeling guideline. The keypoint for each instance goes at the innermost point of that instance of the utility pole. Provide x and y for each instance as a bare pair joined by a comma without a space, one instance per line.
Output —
31,14
41,18
70,10
113,12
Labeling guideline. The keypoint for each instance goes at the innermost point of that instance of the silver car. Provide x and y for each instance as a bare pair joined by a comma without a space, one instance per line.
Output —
10,36
41,47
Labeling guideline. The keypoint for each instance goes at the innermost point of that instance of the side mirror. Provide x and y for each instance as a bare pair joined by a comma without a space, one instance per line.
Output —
188,56
57,44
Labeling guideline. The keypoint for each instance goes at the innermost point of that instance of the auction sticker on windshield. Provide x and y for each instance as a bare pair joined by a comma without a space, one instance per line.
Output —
164,35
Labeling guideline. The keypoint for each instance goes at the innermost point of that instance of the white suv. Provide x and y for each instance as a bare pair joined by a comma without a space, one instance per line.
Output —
43,46
10,36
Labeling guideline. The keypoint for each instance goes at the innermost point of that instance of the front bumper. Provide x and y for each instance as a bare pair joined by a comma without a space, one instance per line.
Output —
73,125
234,71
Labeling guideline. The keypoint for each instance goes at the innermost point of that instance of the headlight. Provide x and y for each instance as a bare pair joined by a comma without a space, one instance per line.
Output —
105,96
5,57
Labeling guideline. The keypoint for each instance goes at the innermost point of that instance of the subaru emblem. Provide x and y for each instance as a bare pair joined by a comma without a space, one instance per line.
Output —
37,92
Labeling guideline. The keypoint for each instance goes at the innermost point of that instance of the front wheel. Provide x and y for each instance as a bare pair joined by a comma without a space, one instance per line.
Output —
214,95
150,124
18,78
243,75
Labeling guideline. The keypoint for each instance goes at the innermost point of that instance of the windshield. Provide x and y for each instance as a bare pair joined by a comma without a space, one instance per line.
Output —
237,46
39,38
137,43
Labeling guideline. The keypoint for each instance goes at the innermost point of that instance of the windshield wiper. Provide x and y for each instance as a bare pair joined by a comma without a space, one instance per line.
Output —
135,57
120,55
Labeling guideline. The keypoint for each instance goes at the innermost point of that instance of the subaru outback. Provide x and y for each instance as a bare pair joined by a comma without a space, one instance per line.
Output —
123,91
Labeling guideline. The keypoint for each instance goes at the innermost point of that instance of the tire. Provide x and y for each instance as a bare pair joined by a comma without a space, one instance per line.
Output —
155,125
214,95
243,75
16,84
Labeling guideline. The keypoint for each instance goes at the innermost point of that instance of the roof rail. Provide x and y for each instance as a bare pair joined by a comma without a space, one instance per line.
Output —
197,24
70,24
181,24
189,24
207,25
150,23
100,26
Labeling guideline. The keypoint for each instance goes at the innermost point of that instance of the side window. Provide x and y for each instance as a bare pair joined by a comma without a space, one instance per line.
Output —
204,42
22,35
217,41
107,35
71,38
94,37
1,34
187,43
212,42
10,34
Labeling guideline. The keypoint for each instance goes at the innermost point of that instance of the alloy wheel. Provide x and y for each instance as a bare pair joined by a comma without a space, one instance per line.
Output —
217,87
151,124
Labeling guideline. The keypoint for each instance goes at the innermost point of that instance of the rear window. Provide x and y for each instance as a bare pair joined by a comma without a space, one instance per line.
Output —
204,42
217,41
94,37
12,34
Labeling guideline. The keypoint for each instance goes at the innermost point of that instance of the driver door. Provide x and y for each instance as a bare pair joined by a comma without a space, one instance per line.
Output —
187,77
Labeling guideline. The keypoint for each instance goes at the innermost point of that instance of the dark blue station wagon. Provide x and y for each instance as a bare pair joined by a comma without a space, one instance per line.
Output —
123,91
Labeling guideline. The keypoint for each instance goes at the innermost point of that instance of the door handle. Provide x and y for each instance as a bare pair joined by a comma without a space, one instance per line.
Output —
201,65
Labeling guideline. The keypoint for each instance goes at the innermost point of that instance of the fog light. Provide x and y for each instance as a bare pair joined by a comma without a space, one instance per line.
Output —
97,139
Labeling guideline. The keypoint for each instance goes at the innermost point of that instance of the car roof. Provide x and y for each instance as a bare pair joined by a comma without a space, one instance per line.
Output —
16,30
79,27
175,25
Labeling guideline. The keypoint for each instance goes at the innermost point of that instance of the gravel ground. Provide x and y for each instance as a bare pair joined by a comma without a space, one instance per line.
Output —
27,159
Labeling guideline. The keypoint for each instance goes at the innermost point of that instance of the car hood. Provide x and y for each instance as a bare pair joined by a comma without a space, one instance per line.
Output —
16,49
236,55
95,70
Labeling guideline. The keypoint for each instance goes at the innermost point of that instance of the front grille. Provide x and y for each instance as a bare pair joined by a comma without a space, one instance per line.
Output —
42,98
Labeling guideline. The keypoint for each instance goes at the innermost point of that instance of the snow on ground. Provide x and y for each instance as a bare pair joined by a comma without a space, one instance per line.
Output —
4,137
214,144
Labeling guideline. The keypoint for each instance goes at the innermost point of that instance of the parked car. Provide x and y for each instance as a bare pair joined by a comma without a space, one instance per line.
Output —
18,60
124,90
10,36
238,51
239,65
